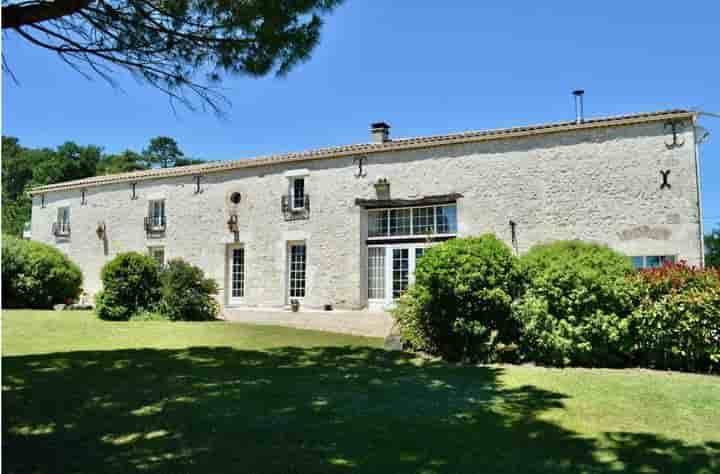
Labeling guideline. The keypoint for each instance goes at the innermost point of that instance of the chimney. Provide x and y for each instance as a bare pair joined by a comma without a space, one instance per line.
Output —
380,132
579,106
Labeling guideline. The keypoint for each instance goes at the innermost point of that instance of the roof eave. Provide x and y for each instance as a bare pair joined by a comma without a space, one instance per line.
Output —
405,144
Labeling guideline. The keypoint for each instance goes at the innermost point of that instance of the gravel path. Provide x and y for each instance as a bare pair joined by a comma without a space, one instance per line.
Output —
361,323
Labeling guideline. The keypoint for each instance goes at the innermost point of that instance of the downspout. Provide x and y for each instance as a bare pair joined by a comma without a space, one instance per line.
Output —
697,141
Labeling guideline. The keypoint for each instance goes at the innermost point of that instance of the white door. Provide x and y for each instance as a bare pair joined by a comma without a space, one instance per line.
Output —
236,274
297,261
391,270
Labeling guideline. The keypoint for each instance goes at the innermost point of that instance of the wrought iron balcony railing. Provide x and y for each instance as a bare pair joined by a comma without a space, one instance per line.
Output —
295,213
61,229
155,225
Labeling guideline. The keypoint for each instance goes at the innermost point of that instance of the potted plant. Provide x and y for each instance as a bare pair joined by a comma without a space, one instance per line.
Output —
294,306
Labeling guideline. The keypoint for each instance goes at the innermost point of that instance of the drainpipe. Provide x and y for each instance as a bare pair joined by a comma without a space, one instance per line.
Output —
699,136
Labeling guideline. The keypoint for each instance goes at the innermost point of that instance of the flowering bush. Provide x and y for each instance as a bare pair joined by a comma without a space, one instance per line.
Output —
651,284
676,324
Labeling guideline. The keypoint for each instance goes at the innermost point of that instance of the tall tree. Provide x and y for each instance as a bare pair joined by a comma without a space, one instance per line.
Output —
124,162
169,44
163,151
23,168
712,248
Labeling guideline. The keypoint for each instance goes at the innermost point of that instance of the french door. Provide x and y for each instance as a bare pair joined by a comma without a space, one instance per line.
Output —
297,260
391,270
236,274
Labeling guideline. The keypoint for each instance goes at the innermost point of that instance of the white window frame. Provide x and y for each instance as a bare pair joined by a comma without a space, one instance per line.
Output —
412,233
388,300
153,250
292,176
63,220
663,259
293,196
236,300
157,220
290,271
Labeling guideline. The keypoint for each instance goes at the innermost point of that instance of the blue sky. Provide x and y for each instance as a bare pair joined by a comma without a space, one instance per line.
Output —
426,67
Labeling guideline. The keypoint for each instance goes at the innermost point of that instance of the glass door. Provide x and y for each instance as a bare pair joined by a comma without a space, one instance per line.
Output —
236,276
391,270
296,271
400,271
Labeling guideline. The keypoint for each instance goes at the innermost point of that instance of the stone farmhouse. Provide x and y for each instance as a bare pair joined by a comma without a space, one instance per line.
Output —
343,227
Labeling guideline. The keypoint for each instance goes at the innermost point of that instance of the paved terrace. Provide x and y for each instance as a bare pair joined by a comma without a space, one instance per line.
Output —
361,323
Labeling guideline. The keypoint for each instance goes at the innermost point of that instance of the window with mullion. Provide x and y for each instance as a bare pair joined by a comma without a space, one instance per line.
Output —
157,213
418,221
298,193
63,219
238,272
400,220
446,218
377,223
376,273
297,270
423,220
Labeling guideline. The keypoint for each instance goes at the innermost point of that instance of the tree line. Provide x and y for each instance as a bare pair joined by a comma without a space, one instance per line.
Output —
24,168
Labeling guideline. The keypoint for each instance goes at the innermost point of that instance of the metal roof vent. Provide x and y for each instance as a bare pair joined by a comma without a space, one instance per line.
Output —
579,117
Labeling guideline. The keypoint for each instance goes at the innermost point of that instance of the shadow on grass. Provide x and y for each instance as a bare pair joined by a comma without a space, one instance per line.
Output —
328,409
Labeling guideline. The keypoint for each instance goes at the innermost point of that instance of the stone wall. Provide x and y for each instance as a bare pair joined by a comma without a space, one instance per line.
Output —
597,185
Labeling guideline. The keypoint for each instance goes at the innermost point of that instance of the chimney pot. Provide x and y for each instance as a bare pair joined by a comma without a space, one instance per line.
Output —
380,132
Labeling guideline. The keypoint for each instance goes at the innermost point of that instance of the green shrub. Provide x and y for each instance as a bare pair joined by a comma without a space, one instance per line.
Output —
148,315
36,275
677,322
186,294
131,283
459,306
575,307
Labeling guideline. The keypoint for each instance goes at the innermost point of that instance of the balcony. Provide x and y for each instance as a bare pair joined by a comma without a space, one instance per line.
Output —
295,213
61,229
155,226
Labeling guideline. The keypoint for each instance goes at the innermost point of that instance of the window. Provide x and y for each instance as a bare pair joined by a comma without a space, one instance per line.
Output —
400,221
63,221
446,217
158,254
377,223
419,221
376,273
157,213
423,220
652,261
297,193
400,271
237,276
297,271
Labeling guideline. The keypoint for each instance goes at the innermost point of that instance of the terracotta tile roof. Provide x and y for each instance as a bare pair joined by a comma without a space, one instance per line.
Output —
369,148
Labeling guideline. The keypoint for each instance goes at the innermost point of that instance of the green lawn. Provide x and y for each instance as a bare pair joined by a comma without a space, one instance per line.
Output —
81,395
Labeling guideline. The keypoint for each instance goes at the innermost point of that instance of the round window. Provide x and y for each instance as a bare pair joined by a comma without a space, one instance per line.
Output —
235,198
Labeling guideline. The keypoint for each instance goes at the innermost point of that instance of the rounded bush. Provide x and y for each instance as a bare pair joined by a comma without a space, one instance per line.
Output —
186,294
676,324
459,306
36,275
575,307
131,283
